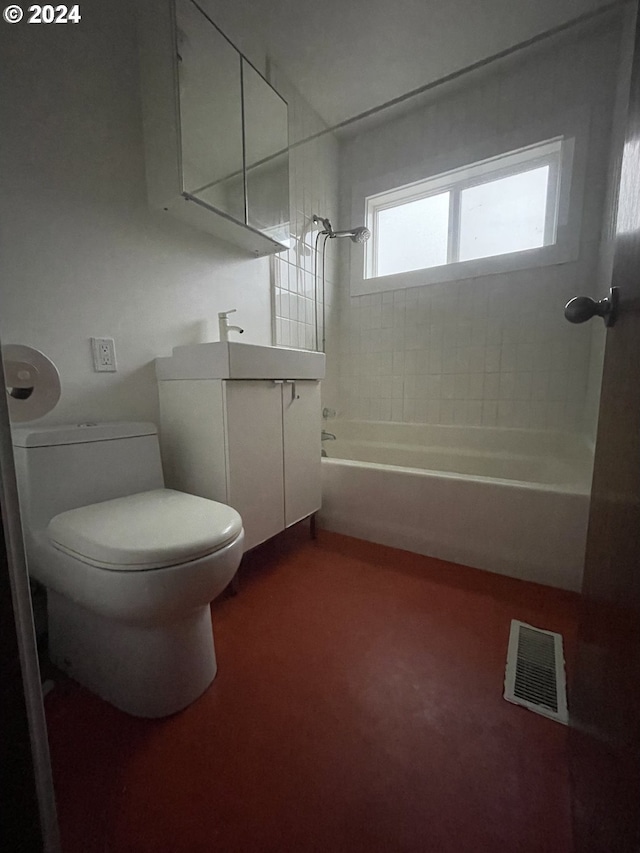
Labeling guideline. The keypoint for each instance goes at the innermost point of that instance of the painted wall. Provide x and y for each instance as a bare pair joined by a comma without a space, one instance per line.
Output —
492,350
81,255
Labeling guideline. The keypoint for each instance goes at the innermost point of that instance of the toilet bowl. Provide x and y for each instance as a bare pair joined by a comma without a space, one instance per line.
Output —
130,573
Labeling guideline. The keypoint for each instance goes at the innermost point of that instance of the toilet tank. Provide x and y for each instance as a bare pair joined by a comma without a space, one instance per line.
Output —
64,467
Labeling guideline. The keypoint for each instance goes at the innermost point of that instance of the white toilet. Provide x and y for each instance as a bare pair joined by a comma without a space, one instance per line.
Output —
130,567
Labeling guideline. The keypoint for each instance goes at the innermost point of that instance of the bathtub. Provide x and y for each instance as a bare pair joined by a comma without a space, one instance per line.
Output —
511,501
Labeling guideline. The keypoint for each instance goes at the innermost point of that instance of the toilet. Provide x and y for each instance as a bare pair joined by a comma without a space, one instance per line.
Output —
130,567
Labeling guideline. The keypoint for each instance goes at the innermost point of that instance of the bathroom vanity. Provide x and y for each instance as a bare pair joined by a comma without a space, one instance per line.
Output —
241,424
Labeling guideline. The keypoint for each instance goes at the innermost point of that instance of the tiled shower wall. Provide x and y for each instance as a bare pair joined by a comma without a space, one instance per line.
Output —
493,350
459,354
313,190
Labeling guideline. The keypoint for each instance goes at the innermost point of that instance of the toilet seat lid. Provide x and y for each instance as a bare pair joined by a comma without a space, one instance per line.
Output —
148,530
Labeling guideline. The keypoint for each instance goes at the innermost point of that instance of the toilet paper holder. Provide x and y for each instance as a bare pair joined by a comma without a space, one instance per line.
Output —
32,382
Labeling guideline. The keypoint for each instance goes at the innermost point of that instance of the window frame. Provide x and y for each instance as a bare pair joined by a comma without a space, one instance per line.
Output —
548,152
365,175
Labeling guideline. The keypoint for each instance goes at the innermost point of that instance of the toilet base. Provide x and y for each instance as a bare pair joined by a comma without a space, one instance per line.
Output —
147,671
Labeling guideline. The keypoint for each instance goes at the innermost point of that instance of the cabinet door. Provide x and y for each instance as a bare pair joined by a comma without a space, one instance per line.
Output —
209,77
254,456
301,431
266,135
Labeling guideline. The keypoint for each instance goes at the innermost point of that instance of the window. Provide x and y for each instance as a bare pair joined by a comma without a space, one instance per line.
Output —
495,207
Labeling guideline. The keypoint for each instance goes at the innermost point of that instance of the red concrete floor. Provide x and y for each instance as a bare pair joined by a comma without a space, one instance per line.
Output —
358,707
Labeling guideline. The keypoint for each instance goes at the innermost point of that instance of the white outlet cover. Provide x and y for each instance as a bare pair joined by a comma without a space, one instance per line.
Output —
104,355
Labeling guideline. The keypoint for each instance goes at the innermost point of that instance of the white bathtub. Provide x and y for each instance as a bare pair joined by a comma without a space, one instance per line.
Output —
511,501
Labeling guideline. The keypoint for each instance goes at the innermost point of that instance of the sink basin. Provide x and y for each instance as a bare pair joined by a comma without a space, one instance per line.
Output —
234,360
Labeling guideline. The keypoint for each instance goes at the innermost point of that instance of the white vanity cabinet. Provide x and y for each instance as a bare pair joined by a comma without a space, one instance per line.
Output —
251,443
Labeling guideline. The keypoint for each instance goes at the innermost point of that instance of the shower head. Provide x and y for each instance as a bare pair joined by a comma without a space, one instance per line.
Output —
358,235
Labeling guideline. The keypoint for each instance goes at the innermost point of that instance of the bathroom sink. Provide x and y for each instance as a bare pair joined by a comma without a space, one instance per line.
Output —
232,360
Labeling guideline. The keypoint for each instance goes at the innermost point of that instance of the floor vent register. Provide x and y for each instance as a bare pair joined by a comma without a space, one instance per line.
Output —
535,676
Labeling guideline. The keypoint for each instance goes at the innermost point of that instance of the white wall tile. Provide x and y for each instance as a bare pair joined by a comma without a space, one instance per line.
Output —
507,385
476,385
489,413
446,412
494,350
492,359
491,386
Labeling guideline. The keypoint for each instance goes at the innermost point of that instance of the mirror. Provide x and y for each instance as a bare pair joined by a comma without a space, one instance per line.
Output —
209,77
267,156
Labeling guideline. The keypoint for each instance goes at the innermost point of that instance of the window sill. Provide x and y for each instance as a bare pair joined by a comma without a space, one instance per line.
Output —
532,258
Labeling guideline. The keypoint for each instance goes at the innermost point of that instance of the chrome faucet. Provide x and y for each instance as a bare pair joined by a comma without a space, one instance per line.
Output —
327,436
224,327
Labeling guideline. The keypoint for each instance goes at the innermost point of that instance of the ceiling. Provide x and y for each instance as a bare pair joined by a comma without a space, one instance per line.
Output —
347,56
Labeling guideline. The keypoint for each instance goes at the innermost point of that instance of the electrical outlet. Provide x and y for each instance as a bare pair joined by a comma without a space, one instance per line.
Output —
104,355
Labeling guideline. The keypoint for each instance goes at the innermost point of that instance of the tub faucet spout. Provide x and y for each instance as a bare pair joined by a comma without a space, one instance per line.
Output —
327,436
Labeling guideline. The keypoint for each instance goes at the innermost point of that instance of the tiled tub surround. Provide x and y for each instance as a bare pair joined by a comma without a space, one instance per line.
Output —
514,502
493,350
294,305
298,281
551,458
455,353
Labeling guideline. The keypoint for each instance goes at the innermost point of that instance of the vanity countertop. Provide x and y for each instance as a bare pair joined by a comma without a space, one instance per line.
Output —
233,360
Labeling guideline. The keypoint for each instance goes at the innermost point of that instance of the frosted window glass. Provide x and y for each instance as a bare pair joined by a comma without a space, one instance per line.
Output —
507,215
413,236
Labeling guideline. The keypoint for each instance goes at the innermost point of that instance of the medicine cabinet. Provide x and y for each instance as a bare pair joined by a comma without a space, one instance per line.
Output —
216,132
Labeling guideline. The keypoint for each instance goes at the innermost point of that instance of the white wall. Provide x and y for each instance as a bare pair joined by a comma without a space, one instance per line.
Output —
492,350
80,252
